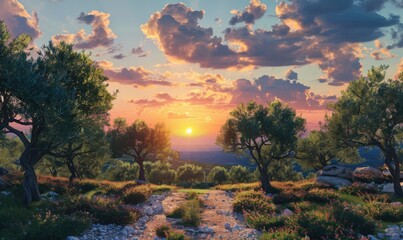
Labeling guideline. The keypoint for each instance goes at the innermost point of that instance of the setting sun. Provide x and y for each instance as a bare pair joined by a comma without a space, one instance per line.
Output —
189,131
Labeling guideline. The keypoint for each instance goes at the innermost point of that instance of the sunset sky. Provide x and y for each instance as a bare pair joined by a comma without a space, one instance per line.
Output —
188,63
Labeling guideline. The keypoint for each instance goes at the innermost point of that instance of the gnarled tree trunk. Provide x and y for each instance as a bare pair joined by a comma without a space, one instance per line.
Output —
30,183
264,179
393,163
72,169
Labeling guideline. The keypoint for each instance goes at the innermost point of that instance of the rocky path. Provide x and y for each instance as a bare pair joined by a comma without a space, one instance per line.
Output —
218,220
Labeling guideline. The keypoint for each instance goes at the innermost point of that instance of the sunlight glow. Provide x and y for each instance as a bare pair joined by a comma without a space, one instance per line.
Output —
189,131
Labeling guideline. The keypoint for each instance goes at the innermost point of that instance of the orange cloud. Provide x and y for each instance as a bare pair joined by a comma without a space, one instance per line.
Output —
100,36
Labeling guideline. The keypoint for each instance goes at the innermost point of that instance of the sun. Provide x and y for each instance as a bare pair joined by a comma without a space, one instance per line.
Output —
189,131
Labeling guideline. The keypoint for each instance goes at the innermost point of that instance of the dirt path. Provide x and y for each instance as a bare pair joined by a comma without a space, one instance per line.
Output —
218,219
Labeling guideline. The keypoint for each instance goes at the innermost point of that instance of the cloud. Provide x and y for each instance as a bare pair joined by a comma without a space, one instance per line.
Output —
268,88
399,69
255,10
327,33
173,115
101,34
119,56
18,20
381,53
221,96
180,37
139,52
218,20
291,75
135,76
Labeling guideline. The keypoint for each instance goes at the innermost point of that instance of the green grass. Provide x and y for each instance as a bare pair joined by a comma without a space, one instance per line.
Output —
197,191
351,199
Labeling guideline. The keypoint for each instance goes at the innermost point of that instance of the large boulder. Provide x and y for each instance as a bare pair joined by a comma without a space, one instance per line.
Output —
333,181
368,174
336,171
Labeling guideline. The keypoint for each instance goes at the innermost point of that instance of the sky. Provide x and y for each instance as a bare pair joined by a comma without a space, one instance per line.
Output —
189,63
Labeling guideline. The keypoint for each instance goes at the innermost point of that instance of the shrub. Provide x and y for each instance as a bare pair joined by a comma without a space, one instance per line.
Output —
358,189
283,234
166,176
350,218
176,213
136,195
264,221
191,213
190,174
239,174
162,231
384,211
239,187
314,224
252,201
321,195
287,197
103,210
218,175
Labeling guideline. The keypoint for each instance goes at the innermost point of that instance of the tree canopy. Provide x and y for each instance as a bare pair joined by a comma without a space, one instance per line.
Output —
267,134
139,141
369,113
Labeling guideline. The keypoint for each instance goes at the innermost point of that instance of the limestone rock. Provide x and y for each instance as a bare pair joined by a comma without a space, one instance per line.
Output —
333,181
336,171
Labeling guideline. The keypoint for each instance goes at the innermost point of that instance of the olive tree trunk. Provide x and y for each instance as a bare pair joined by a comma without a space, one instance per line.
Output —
28,159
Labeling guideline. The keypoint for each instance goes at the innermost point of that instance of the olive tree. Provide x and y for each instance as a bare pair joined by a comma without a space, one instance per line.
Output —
266,134
218,175
369,113
239,174
51,95
318,150
138,140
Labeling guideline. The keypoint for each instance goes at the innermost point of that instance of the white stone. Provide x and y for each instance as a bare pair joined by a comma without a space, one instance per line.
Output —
72,238
388,188
287,213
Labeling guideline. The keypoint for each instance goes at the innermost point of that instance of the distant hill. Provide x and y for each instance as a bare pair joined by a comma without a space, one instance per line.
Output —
371,158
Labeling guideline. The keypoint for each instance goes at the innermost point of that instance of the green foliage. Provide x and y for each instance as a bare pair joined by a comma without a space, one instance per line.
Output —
166,232
118,170
262,221
189,212
162,231
368,114
268,133
218,175
252,201
40,222
138,140
239,187
161,173
103,210
190,174
318,150
280,235
358,189
384,211
191,216
350,218
11,150
239,174
136,195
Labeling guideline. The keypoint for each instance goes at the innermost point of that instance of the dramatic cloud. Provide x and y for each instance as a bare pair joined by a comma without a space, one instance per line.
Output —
291,75
173,115
324,32
212,91
135,76
268,88
100,36
18,20
254,11
139,52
